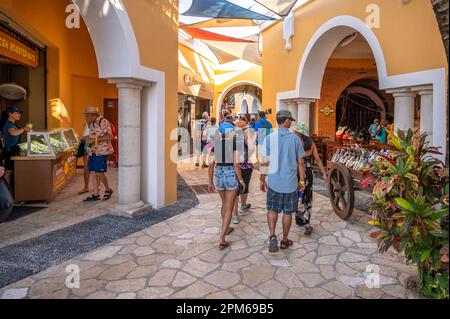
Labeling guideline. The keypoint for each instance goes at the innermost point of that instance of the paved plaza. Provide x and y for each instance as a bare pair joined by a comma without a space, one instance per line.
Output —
180,258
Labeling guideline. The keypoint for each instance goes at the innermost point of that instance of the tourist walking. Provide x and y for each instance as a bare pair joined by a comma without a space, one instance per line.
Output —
262,128
99,149
199,142
209,136
303,214
246,169
225,178
83,153
282,159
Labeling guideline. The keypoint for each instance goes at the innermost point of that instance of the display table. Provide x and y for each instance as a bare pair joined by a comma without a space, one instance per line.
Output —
42,178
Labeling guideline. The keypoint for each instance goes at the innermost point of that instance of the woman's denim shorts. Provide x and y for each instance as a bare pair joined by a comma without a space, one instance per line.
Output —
225,178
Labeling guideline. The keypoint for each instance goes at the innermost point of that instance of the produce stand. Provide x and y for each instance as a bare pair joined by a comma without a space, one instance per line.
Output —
46,165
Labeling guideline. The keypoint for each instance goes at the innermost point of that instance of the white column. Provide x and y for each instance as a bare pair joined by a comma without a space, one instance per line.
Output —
129,201
304,107
404,109
426,110
292,107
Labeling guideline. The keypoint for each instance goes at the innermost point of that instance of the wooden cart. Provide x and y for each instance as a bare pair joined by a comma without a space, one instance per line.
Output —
342,183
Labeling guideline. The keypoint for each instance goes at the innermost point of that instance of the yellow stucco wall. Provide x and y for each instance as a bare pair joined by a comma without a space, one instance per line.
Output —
155,24
252,74
72,73
408,35
220,76
72,67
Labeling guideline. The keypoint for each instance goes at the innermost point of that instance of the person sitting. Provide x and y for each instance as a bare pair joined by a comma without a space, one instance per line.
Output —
373,129
382,133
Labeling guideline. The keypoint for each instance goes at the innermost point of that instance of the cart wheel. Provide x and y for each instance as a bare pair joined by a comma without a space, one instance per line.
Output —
342,195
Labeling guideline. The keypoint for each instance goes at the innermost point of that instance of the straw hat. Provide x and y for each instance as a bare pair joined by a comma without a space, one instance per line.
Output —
301,128
91,110
241,124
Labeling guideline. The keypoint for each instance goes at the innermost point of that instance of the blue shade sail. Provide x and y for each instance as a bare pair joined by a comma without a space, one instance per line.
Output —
222,9
280,7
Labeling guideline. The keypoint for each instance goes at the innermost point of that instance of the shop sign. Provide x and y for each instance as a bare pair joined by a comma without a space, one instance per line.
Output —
327,110
191,80
17,51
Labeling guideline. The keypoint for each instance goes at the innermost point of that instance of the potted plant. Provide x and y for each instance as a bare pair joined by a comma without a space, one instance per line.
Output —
410,209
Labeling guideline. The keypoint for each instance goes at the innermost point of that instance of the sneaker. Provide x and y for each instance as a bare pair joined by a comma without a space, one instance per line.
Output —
236,220
245,208
273,245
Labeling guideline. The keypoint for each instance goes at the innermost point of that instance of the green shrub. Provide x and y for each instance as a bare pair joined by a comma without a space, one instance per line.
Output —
410,209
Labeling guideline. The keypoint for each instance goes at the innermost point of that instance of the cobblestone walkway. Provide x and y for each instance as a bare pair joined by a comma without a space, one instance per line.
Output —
179,258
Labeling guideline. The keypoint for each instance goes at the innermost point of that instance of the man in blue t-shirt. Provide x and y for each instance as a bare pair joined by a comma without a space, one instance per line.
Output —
282,160
11,135
262,129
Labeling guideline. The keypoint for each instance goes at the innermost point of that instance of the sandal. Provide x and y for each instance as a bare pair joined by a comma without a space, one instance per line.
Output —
83,192
285,244
108,194
224,245
229,231
273,245
92,198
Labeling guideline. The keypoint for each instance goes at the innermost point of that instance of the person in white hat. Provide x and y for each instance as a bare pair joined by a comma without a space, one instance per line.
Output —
99,149
303,214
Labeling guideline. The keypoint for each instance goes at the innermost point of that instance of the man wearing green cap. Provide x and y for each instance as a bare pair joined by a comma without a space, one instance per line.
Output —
282,159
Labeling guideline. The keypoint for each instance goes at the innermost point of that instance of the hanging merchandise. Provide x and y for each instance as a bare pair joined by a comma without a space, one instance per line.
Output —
12,91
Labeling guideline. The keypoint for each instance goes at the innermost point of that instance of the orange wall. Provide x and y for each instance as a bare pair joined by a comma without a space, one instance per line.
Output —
408,34
155,24
72,73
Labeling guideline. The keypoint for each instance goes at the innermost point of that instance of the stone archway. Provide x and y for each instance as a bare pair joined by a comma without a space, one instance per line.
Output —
405,86
141,105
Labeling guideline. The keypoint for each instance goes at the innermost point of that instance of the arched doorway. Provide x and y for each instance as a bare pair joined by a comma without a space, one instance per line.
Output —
233,96
360,103
141,105
316,56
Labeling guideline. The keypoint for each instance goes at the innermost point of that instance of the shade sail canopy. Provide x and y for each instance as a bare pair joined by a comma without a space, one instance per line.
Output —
222,9
232,28
280,7
207,35
220,23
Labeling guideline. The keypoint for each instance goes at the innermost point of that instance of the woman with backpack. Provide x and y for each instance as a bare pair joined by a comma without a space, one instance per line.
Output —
225,176
303,215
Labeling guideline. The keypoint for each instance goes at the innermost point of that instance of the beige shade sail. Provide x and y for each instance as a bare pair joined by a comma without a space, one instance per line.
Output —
280,7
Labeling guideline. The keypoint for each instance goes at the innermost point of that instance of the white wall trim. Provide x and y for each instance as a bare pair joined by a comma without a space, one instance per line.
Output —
228,89
320,48
118,56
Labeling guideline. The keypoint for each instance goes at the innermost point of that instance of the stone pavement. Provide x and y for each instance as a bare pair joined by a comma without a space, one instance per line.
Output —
179,258
67,209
